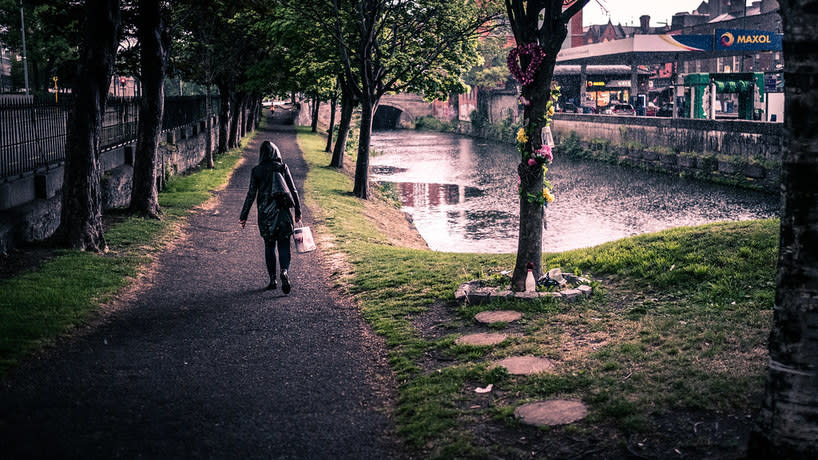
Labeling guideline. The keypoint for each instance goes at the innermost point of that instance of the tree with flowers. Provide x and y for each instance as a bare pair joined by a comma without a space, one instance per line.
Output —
539,27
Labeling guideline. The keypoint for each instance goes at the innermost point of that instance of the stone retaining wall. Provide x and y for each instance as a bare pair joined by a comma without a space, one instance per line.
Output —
30,205
738,138
741,153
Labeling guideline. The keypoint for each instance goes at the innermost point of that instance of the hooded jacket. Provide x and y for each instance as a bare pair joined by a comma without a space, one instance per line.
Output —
274,221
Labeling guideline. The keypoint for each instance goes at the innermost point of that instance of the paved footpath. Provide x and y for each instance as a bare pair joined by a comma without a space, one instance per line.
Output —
203,363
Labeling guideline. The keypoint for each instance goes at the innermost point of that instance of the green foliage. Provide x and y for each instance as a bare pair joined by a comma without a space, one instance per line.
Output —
479,120
54,31
430,123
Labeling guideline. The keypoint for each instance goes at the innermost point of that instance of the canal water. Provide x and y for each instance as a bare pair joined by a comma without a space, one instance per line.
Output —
462,195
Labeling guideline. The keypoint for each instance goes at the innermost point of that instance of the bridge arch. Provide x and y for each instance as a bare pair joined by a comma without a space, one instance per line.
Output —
400,110
390,116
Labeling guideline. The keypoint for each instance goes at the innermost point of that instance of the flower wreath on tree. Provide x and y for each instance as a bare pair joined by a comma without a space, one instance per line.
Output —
542,156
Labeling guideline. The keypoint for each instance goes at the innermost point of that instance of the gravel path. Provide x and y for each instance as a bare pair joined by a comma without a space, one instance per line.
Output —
201,362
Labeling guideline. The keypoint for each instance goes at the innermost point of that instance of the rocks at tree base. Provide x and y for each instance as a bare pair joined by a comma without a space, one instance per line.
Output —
555,274
551,413
477,293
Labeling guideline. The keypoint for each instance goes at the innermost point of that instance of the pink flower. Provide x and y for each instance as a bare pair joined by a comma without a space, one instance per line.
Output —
532,162
545,152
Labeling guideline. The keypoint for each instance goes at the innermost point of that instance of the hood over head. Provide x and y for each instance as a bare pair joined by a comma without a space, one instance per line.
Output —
268,151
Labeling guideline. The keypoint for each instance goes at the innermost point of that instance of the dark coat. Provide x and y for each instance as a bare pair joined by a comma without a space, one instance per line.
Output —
274,218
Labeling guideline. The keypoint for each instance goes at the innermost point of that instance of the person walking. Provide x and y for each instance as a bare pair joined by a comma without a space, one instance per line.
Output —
273,190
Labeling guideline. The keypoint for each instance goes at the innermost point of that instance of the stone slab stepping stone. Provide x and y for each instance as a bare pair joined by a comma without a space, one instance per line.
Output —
481,339
526,365
501,316
551,413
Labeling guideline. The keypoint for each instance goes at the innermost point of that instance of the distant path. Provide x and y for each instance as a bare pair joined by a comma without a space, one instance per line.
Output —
205,364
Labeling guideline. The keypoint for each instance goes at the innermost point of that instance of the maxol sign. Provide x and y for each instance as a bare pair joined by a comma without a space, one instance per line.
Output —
753,40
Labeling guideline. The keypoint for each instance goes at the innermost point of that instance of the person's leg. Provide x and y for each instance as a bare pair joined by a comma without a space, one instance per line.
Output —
270,259
284,262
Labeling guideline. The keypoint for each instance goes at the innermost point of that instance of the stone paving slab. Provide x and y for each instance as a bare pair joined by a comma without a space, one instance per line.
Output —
500,316
481,339
551,413
526,365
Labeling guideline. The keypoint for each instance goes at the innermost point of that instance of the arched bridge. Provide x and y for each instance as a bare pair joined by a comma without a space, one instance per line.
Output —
396,110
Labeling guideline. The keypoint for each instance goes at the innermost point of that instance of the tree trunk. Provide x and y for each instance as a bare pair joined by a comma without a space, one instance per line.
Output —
532,214
787,426
154,41
209,128
361,188
244,104
235,116
255,110
332,105
548,35
347,107
316,106
224,115
81,216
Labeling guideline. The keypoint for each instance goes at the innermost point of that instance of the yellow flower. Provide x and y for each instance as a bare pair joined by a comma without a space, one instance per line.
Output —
521,136
549,197
551,111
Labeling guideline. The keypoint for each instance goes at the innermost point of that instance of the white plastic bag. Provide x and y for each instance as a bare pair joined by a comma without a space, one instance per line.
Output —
303,240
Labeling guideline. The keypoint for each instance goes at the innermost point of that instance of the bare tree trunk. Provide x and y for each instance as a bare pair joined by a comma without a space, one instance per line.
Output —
787,426
235,116
224,115
242,121
332,105
81,216
316,105
209,128
361,188
255,111
347,107
153,58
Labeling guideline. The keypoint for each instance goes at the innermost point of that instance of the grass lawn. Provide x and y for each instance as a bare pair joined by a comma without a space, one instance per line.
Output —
668,354
37,306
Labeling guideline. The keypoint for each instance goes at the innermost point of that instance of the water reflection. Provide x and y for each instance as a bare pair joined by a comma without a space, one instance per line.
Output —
462,195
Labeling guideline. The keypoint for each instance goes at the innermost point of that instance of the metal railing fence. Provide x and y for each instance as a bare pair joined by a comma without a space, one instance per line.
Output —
33,134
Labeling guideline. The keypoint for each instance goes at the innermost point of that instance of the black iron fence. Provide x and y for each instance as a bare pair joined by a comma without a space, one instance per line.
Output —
33,133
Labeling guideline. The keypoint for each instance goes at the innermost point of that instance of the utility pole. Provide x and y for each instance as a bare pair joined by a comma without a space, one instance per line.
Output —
23,32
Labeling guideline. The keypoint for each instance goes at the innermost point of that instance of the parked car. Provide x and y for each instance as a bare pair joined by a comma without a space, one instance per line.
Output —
569,107
587,109
623,109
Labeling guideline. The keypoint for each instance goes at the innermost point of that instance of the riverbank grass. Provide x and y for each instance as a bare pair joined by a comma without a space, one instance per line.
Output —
66,290
677,327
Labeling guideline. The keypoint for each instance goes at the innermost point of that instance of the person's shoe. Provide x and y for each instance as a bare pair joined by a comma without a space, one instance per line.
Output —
272,286
285,282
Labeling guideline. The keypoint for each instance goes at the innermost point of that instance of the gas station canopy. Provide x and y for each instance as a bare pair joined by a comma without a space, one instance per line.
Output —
658,49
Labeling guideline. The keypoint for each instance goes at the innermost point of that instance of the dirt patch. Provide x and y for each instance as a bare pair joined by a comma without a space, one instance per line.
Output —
676,435
395,224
